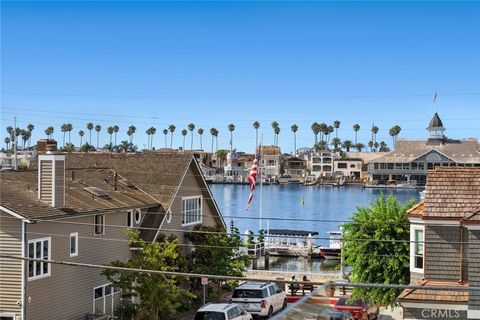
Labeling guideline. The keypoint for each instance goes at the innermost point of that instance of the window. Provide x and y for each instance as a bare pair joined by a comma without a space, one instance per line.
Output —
272,290
99,224
138,216
130,218
417,248
74,244
39,249
191,210
342,165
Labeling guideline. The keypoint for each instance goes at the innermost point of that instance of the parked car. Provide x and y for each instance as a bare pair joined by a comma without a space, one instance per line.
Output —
222,311
260,298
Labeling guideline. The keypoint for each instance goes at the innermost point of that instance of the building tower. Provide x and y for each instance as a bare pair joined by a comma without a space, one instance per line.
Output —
436,128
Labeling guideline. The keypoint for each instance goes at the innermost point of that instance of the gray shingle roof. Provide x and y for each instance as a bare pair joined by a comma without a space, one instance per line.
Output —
436,122
461,151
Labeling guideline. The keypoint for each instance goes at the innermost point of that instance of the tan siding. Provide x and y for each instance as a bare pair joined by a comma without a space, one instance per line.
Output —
68,292
10,270
59,184
192,185
46,181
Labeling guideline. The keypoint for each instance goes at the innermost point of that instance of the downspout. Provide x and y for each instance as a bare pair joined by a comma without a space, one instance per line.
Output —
461,253
24,270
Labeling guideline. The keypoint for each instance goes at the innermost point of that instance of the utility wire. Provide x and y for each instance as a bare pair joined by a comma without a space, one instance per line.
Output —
221,277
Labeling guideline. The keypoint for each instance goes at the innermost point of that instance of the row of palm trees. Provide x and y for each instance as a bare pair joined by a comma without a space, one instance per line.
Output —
13,135
322,136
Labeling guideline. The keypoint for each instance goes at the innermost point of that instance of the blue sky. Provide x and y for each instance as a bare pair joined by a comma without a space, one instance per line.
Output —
215,63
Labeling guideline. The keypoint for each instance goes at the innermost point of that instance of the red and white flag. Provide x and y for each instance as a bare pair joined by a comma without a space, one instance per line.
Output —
252,178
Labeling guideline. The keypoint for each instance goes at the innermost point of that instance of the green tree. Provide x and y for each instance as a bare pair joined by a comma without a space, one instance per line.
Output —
98,128
336,125
316,130
81,133
336,143
115,131
90,128
30,128
191,127
171,128
384,147
277,132
372,261
132,129
110,132
216,252
184,133
165,133
159,294
231,128
7,142
200,133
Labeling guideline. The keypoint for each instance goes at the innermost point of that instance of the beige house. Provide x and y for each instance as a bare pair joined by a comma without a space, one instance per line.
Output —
75,208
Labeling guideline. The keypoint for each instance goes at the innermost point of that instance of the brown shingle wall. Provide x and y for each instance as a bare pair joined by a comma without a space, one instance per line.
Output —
442,260
474,268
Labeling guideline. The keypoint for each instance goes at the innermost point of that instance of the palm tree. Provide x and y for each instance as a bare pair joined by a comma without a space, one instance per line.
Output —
321,145
274,127
328,131
316,130
124,146
171,128
49,132
184,133
374,135
165,132
200,133
256,126
148,132
81,134
11,133
110,132
153,130
30,128
63,128
294,129
370,145
336,143
277,132
97,129
394,132
7,142
90,128
25,136
216,138
132,130
191,127
212,132
347,144
336,125
383,147
115,130
69,130
360,147
356,128
231,128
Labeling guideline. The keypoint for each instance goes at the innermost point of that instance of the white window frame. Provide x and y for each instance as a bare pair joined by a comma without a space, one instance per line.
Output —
74,235
49,257
414,228
105,296
95,225
130,219
184,214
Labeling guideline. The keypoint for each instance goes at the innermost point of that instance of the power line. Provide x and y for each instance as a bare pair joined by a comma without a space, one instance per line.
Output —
222,277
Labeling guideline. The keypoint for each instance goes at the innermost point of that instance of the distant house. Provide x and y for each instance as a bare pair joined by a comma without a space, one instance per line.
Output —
270,161
445,247
294,167
351,168
75,208
411,159
321,164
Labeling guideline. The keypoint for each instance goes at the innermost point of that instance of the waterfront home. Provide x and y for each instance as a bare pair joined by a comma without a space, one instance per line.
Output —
270,161
233,170
445,247
351,168
321,164
294,167
75,208
411,159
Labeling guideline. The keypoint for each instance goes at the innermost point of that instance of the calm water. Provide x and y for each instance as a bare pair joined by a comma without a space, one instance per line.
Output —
284,201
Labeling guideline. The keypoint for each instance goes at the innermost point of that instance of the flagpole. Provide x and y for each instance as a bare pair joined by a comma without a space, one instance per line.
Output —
261,183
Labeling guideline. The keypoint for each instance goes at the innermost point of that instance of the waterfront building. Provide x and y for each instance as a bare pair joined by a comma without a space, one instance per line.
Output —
294,167
351,168
321,164
63,207
444,247
270,161
411,159
233,170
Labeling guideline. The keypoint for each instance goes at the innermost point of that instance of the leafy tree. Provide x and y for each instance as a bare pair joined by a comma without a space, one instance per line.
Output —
171,128
159,294
184,133
378,262
7,142
256,126
191,127
336,125
316,130
347,144
81,134
336,143
98,128
115,131
216,252
131,129
231,128
277,132
294,129
90,128
356,128
165,133
110,132
384,147
200,133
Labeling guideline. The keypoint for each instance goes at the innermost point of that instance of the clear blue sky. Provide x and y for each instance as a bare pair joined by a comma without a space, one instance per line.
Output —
214,63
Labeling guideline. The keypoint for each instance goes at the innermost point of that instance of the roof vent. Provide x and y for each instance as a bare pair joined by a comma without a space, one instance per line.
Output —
97,192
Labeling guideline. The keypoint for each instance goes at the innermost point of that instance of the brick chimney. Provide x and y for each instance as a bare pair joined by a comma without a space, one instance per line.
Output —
51,175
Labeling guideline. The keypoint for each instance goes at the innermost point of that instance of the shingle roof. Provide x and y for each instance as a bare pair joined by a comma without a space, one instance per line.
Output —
461,151
452,192
425,296
158,174
416,210
18,192
436,122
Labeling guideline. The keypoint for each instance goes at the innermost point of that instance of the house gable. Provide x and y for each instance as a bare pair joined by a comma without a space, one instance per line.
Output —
433,156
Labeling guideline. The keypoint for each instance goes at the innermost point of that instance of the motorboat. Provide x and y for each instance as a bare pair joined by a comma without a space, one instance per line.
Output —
333,251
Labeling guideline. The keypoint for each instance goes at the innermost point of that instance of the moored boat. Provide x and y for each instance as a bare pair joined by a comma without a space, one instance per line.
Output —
333,251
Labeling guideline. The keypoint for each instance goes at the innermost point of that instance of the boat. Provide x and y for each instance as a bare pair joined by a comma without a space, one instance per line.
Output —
284,179
334,250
